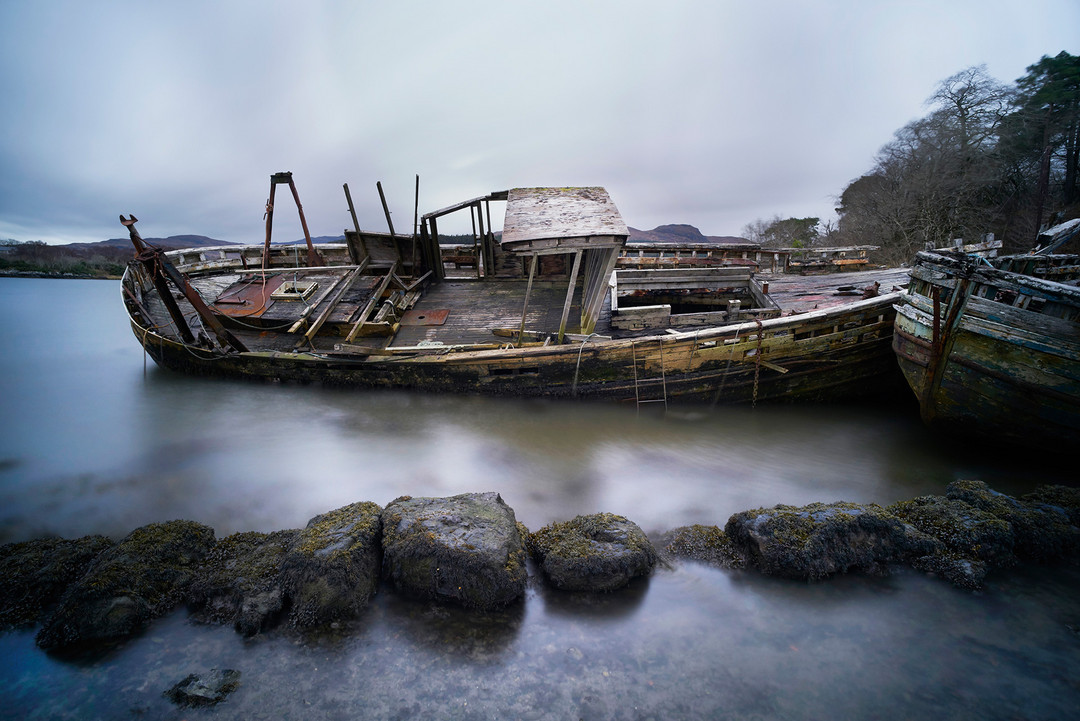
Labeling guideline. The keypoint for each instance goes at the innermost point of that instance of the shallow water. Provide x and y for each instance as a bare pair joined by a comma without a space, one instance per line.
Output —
93,442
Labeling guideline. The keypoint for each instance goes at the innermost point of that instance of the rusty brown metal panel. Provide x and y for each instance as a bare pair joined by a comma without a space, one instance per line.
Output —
248,298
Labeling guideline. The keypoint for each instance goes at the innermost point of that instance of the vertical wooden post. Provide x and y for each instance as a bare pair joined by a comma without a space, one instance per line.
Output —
569,295
389,222
528,290
356,226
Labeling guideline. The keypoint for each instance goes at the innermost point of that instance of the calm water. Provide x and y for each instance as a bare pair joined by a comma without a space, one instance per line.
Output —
95,439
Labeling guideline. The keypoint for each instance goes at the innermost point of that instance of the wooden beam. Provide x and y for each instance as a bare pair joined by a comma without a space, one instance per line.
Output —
372,301
345,285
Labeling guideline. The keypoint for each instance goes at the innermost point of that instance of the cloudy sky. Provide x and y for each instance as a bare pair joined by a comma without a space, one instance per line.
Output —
714,113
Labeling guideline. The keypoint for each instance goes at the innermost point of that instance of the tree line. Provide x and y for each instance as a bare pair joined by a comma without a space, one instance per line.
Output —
987,158
39,258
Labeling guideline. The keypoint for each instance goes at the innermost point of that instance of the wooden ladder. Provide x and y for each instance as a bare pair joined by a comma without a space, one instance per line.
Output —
638,381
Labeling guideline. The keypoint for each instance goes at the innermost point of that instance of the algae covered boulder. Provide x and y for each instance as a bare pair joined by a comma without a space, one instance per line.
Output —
240,581
705,544
331,571
1041,531
598,552
821,539
466,549
140,578
34,574
963,529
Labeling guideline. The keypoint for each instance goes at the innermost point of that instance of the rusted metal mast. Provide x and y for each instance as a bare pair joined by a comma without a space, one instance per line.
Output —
314,259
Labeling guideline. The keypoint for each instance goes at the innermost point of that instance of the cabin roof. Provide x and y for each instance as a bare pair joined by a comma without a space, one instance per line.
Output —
562,219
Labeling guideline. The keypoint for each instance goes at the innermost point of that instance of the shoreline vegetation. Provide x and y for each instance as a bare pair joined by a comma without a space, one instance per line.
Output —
36,259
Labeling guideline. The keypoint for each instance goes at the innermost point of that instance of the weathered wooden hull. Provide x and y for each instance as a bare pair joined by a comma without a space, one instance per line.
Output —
827,355
985,358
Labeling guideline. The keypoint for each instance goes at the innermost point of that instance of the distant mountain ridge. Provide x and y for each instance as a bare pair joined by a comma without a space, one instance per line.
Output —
679,233
173,242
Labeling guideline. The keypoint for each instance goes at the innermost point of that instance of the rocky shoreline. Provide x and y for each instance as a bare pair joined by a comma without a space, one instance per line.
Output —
470,550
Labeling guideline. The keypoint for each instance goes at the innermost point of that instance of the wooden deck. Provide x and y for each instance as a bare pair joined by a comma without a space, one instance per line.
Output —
477,307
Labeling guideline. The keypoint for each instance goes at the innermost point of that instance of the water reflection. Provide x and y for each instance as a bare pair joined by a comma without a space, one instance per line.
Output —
91,444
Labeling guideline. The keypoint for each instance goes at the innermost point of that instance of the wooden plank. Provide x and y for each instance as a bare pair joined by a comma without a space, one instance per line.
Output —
576,215
345,286
359,324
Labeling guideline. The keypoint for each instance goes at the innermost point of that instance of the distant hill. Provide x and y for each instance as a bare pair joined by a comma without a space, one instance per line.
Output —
679,234
173,242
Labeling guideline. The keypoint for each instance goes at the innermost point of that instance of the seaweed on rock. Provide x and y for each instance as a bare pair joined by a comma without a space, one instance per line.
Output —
331,571
706,544
240,581
466,548
34,574
140,578
821,539
598,552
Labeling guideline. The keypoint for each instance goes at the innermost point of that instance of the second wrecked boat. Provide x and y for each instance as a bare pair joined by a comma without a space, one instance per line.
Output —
537,313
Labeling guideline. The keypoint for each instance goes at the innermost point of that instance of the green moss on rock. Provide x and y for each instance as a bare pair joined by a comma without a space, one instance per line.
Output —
598,552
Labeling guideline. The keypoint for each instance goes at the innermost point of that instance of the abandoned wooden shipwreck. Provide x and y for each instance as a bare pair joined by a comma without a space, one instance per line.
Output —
992,348
539,311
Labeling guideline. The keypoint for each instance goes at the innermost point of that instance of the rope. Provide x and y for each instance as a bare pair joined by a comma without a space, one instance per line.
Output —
757,362
573,388
727,368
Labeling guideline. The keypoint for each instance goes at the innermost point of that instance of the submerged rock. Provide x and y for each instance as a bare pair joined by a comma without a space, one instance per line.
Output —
599,552
129,584
467,549
240,581
34,574
332,569
706,544
205,690
816,541
960,571
1064,497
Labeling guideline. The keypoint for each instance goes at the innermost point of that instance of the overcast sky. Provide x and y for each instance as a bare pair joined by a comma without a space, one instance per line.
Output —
712,113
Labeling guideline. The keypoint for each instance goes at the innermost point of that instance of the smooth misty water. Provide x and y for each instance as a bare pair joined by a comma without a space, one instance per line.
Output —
91,442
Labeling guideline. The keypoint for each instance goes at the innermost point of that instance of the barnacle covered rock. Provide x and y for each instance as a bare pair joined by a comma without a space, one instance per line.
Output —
598,552
140,578
240,580
34,574
1041,531
963,529
466,549
331,570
